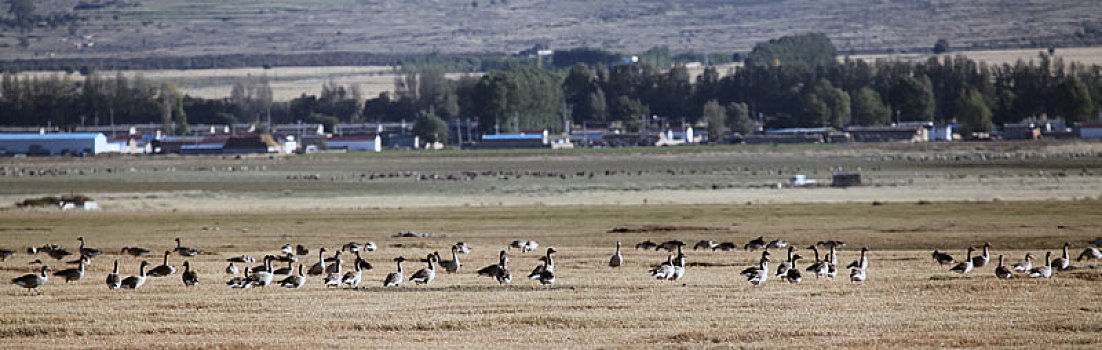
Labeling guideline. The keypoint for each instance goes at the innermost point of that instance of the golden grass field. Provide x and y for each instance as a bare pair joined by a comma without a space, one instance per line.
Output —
908,301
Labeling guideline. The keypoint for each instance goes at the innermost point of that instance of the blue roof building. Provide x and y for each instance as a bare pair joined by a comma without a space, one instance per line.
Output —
53,144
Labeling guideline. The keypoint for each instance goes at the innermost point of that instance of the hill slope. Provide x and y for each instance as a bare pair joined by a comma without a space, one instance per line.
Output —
130,28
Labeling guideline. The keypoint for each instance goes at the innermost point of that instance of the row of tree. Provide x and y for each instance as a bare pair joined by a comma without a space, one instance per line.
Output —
797,87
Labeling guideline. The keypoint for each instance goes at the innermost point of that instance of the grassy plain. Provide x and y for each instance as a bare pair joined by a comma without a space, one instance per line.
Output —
917,198
908,302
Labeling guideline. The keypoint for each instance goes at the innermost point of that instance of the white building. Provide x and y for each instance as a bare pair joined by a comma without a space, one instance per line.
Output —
358,143
54,144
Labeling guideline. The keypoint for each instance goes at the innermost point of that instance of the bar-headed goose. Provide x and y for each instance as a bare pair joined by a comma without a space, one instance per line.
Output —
136,252
1064,261
1002,271
394,279
73,274
241,282
1025,265
89,252
942,258
32,280
425,275
190,277
754,244
164,269
232,270
984,258
453,265
617,259
1089,253
784,266
318,268
706,244
547,266
263,278
1043,271
492,271
352,278
753,270
759,275
965,266
294,281
185,251
113,279
462,247
135,282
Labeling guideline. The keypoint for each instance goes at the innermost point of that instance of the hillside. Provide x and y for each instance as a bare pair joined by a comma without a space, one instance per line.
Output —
145,28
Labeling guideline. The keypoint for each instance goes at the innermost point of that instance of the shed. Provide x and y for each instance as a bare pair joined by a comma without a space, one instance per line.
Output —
53,144
1089,130
846,180
358,143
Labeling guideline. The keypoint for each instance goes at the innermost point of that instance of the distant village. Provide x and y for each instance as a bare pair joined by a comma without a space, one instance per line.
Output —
380,137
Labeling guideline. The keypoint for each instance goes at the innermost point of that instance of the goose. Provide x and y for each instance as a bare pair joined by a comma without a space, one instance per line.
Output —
294,281
1064,261
503,275
725,246
793,274
777,244
942,258
983,259
524,246
547,266
89,252
32,280
135,282
362,264
232,270
113,279
706,244
81,260
547,276
753,270
859,272
352,278
286,271
301,250
318,268
759,274
966,266
36,262
425,275
287,249
287,258
58,253
1089,253
645,245
136,252
240,282
263,278
831,243
664,270
185,251
463,248
754,244
669,246
190,277
370,246
1025,265
335,267
618,259
5,254
832,263
453,265
263,264
73,274
164,270
1044,271
242,259
783,268
394,279
493,271
1002,271
352,247
678,267
819,267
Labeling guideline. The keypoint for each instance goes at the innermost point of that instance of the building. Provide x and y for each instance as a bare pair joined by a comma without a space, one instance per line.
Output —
1089,130
54,144
522,140
677,136
846,179
356,143
910,132
944,132
1021,131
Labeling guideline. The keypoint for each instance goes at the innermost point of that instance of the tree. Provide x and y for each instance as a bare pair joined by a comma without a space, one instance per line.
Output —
913,98
972,112
23,10
941,46
825,105
431,128
869,109
811,49
328,122
1073,100
716,117
182,127
738,118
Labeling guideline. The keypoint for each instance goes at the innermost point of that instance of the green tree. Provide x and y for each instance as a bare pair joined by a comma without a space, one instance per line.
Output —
716,117
825,105
1073,100
629,109
869,109
941,46
182,127
328,122
738,118
913,98
973,114
811,49
431,128
23,10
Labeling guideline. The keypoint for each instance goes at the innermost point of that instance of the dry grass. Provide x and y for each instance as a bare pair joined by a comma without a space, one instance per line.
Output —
908,302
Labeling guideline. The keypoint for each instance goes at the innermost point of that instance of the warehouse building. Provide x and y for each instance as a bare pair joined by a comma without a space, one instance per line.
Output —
55,144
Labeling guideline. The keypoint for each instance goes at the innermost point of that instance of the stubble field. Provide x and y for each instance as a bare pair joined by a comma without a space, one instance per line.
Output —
1020,197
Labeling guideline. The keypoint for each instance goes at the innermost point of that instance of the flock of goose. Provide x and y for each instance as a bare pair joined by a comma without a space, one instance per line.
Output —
333,273
1026,266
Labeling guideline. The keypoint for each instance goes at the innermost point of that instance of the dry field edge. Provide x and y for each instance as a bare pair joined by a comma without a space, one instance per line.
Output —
908,302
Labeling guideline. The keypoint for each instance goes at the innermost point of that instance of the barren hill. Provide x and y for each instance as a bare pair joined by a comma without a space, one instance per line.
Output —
143,28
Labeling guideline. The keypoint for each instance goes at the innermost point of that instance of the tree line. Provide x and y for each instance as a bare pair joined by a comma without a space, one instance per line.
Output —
789,82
